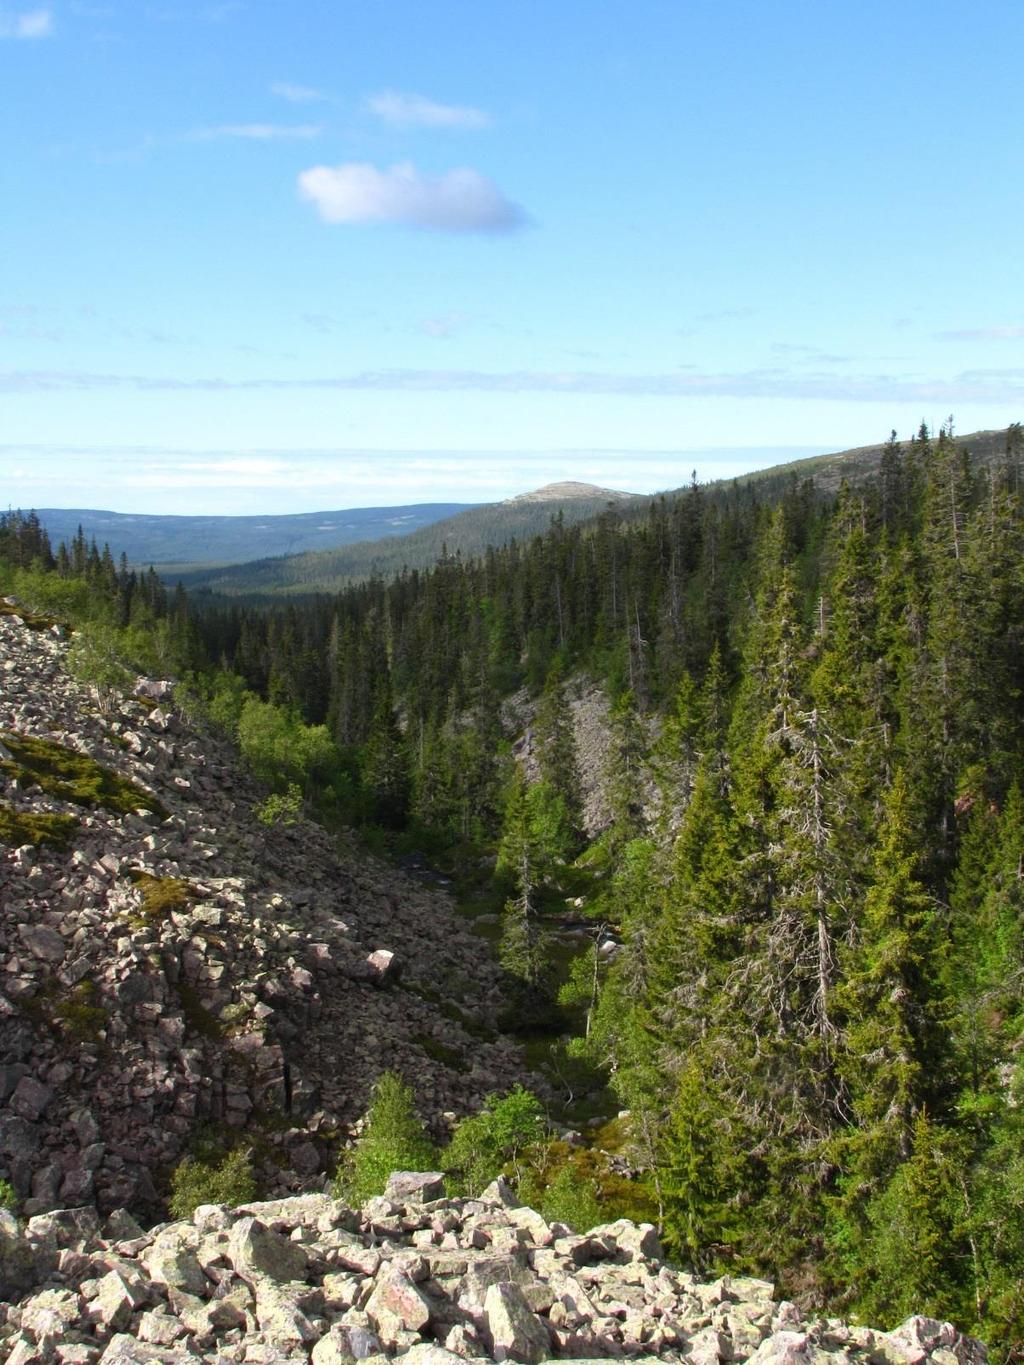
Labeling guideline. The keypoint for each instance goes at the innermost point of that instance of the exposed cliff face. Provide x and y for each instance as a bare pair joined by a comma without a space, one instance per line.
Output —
411,1275
177,962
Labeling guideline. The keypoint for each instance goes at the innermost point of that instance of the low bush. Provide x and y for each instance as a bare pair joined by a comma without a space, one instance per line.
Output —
196,1181
394,1140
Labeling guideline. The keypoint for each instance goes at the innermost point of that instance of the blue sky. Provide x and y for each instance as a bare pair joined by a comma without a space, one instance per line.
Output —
258,256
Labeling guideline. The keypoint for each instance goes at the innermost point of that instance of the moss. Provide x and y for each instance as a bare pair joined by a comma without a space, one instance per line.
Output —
586,1174
71,776
81,1016
163,896
19,827
451,1057
197,1017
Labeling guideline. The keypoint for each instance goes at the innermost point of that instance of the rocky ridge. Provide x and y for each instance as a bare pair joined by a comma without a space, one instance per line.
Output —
412,1275
268,1002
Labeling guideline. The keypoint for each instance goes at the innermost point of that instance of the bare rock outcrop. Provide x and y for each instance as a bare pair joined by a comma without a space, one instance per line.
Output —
432,1283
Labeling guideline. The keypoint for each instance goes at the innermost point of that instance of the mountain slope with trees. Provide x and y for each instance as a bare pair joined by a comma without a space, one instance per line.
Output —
810,877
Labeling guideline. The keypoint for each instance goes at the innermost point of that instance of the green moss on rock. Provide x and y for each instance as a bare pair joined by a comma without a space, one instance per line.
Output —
18,827
70,776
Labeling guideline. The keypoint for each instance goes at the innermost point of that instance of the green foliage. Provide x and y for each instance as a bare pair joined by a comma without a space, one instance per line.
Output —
280,749
393,1140
72,776
916,1256
196,1181
571,1198
9,1200
18,827
494,1141
280,808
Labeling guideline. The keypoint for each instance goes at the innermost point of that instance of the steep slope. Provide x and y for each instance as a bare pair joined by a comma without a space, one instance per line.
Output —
424,1279
149,539
166,961
468,534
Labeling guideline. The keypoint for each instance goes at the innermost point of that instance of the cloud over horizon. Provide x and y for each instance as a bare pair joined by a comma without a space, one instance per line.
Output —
460,200
416,111
33,23
969,386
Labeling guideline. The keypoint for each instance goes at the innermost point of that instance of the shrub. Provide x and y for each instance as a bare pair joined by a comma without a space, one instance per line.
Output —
394,1140
195,1181
486,1144
281,809
571,1198
8,1199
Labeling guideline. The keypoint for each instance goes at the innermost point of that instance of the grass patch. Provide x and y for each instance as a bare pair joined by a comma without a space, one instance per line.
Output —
19,827
33,619
197,1017
81,1015
451,1057
163,896
70,776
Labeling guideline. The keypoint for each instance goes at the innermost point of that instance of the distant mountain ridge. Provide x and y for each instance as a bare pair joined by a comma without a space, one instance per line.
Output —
469,533
155,539
473,531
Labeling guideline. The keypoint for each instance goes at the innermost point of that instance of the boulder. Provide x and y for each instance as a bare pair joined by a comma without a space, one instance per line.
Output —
415,1187
512,1329
256,1250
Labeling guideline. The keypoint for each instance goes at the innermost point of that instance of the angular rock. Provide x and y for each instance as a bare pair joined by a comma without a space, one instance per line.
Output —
256,1250
512,1329
397,1305
415,1187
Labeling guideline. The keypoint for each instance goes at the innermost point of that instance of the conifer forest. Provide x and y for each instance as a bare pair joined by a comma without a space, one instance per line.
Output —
813,854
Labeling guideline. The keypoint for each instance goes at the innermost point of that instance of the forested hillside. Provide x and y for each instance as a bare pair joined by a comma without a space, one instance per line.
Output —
180,540
814,861
467,533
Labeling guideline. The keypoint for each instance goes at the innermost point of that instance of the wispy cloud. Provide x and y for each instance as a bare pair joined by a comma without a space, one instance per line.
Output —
461,200
298,94
973,386
28,23
257,132
1010,333
416,111
444,325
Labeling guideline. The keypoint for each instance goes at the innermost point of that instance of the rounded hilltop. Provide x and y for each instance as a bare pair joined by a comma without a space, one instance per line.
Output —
555,492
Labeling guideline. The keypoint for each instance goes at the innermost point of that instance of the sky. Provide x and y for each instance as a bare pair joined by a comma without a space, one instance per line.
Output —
263,257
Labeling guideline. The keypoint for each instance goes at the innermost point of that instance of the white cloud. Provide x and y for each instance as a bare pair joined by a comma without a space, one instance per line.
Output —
257,132
298,94
416,111
461,200
969,386
1011,333
32,23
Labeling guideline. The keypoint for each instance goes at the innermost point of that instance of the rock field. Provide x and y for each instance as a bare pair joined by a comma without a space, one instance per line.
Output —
270,1003
430,1280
